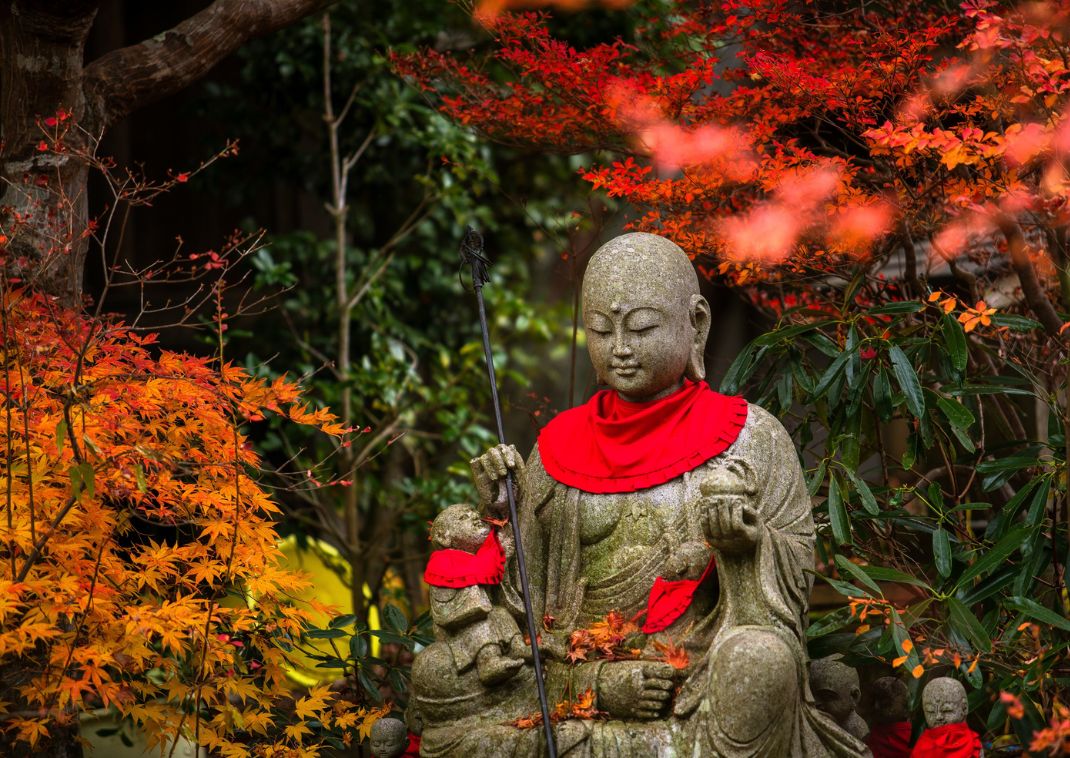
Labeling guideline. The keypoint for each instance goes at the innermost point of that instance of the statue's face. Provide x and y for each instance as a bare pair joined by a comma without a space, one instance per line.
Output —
389,741
643,315
639,344
461,528
944,702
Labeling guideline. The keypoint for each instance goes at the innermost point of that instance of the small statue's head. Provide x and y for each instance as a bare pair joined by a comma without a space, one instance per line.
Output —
646,322
459,527
944,701
890,700
389,738
835,686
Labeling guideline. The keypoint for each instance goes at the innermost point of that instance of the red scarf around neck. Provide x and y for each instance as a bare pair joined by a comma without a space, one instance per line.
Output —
609,445
948,741
456,568
890,740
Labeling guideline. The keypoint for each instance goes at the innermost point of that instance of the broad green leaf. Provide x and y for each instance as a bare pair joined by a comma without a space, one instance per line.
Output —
865,494
1017,323
832,373
1039,502
994,556
139,476
368,685
942,552
325,634
339,621
394,619
884,574
841,525
741,369
908,380
845,588
967,625
955,341
846,566
904,306
358,646
882,395
957,413
1035,610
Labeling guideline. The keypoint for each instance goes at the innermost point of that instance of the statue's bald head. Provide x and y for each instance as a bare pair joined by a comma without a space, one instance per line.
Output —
646,322
645,262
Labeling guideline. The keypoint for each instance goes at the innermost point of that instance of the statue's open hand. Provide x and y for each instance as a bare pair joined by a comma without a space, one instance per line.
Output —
635,689
731,524
688,562
489,471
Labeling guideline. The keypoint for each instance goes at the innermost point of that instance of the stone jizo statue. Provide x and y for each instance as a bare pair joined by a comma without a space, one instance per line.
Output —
837,691
662,501
389,738
891,729
944,702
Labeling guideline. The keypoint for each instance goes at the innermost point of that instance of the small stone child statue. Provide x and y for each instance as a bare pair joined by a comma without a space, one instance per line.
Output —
468,557
890,735
389,738
837,692
948,736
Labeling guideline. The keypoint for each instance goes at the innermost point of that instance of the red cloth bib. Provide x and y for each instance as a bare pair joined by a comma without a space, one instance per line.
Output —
610,445
948,741
669,599
456,568
890,740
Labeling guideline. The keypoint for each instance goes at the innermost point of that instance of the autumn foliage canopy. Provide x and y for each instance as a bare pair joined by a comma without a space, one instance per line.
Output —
886,182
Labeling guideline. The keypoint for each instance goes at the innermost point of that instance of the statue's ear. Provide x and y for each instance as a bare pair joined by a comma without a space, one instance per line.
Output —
700,320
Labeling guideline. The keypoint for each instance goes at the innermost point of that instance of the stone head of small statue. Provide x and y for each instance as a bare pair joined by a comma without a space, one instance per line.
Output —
459,527
890,700
389,738
835,686
645,320
944,702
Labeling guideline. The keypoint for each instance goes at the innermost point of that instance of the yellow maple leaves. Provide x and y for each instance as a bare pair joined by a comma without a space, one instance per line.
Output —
970,318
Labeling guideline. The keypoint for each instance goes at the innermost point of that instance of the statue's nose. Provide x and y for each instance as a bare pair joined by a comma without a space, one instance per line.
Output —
621,347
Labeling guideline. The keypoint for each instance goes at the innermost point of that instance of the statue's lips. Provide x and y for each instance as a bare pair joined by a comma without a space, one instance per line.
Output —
628,370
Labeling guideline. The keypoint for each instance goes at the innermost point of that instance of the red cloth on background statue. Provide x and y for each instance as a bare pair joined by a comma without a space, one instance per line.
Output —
609,445
890,740
456,568
669,599
948,741
412,750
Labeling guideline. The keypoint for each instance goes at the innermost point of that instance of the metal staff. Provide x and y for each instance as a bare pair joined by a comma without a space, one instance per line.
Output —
472,254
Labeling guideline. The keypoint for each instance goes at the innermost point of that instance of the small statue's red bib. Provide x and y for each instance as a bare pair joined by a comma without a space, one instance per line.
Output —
609,445
948,741
457,568
890,740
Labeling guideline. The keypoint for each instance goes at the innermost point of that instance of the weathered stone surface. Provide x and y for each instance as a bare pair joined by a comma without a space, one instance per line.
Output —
836,690
389,738
745,690
944,702
890,704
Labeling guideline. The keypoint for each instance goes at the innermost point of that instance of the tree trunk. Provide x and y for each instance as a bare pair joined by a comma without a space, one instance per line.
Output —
43,206
44,212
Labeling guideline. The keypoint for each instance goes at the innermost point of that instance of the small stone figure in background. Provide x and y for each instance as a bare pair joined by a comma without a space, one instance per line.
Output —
467,557
890,735
837,692
390,739
948,736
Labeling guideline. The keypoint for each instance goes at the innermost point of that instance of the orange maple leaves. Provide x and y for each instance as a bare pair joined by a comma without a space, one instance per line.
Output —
101,437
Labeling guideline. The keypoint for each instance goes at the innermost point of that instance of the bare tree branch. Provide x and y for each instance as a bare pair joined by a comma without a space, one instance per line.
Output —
1032,289
126,79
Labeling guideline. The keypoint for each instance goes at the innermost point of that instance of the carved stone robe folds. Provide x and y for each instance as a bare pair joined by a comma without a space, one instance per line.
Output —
591,553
